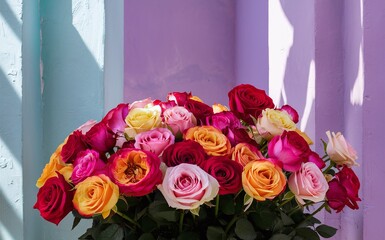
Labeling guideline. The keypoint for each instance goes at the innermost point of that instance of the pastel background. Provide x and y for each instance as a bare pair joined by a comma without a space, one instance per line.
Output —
64,62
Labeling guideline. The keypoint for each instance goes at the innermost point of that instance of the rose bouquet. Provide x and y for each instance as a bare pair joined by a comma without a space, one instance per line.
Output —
181,169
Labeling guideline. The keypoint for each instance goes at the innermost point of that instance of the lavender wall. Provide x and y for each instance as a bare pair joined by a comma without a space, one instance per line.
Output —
174,45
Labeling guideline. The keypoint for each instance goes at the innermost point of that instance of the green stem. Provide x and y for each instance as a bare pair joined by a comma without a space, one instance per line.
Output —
286,201
231,223
128,219
314,213
329,167
216,206
181,221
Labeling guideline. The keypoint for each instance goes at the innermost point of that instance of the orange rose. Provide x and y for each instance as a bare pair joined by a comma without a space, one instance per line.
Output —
55,164
244,153
263,180
95,195
213,141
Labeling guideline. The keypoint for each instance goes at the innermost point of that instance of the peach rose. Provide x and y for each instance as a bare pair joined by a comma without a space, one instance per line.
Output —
273,122
55,164
339,150
217,108
244,153
263,180
213,141
96,195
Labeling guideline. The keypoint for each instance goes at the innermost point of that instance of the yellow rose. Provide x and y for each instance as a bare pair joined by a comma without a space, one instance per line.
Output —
244,153
142,119
213,141
67,172
96,195
217,108
263,180
55,164
196,98
273,123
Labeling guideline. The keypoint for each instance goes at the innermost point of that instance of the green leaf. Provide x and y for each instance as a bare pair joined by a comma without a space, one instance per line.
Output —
264,219
147,224
244,229
146,236
227,204
215,233
195,211
287,221
288,195
247,200
307,233
160,211
188,236
75,222
326,231
87,235
108,232
280,236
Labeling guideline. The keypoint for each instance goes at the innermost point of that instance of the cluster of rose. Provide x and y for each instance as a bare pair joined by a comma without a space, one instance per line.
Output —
193,153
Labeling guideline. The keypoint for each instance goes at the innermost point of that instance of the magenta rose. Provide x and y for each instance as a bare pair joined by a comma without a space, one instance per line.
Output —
187,186
75,144
164,105
54,199
85,127
155,140
308,183
87,163
179,119
291,111
223,120
227,172
343,190
184,152
136,172
100,138
199,109
246,100
290,149
115,118
316,159
180,98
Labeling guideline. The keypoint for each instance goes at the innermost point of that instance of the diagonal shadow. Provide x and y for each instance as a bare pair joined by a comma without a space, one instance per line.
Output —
9,219
10,18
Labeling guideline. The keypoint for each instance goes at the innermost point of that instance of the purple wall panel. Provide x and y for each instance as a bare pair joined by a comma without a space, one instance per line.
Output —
174,45
374,118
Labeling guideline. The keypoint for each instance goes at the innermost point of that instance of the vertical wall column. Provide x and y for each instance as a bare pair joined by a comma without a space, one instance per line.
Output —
11,169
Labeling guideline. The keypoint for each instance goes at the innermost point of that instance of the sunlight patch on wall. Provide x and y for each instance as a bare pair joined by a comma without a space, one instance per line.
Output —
310,96
280,42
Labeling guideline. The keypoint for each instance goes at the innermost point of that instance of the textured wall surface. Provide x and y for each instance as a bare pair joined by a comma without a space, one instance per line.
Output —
11,195
176,45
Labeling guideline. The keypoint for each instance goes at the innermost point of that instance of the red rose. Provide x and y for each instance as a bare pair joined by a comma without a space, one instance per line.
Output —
343,190
227,172
100,138
246,100
75,144
199,110
54,199
184,152
115,118
179,98
290,149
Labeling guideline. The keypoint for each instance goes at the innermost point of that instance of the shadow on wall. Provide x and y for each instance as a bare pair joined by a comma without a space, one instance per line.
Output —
73,86
10,131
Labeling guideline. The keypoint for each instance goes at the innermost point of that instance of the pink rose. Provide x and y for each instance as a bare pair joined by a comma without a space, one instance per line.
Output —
115,118
74,144
290,149
179,119
136,172
339,150
227,172
100,138
155,140
141,103
87,163
86,126
187,186
308,183
291,111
